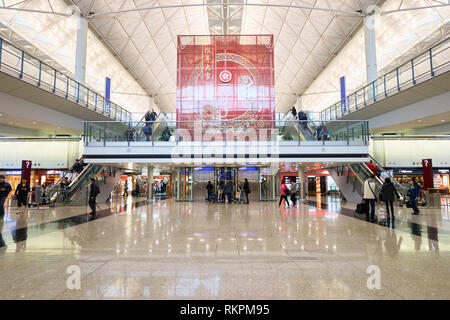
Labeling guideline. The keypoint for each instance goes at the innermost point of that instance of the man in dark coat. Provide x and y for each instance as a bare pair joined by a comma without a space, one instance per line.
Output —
227,190
209,191
246,190
5,189
94,190
388,191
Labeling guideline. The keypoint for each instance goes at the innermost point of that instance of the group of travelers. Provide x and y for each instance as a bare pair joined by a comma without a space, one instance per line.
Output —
321,133
160,187
287,194
21,195
147,129
225,192
372,194
301,117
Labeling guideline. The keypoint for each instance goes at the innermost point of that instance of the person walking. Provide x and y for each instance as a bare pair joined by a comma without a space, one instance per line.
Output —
5,189
369,196
294,112
209,191
283,194
246,190
94,190
388,191
228,188
21,194
413,193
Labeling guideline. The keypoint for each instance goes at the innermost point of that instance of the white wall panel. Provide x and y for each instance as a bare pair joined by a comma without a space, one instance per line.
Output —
44,154
409,153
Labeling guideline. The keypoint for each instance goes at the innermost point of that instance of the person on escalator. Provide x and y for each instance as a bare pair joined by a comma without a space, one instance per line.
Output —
294,112
78,167
148,117
147,131
303,119
372,167
153,115
324,133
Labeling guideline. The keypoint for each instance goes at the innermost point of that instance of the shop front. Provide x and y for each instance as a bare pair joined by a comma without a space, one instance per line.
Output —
190,182
441,177
441,180
38,177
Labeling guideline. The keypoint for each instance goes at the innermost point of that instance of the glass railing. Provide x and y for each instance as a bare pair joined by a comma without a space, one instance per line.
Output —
346,132
420,68
16,62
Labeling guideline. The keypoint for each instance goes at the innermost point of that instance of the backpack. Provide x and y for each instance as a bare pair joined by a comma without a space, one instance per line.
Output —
97,189
147,130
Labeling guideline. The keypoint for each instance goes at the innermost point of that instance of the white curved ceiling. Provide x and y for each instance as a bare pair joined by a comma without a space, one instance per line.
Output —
305,40
146,40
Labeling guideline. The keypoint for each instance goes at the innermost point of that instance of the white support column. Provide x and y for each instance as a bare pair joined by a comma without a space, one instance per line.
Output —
151,103
299,104
149,183
301,182
80,57
370,46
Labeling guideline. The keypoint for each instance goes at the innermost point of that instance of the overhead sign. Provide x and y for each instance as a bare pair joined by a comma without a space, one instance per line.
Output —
248,168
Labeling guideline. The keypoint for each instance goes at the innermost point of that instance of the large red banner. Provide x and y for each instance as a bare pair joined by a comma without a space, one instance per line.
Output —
226,78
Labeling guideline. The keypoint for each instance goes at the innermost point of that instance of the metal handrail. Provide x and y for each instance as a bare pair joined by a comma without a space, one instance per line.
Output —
225,120
373,86
81,92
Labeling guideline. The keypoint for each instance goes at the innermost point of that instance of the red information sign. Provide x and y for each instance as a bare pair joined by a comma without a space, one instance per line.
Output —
427,168
26,170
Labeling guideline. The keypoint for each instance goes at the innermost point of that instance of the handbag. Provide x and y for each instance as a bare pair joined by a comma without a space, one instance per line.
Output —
380,196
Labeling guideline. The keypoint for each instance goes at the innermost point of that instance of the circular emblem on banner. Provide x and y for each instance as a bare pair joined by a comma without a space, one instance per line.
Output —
225,76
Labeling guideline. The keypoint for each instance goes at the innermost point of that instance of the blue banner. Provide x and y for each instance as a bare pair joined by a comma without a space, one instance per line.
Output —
343,94
107,104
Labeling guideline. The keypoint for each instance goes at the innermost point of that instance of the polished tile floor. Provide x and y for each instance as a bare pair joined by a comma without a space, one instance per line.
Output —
174,250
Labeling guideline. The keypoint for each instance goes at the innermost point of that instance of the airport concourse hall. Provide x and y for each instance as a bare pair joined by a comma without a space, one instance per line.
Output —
224,150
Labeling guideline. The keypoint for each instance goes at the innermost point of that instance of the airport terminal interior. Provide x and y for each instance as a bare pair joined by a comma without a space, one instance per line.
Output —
224,149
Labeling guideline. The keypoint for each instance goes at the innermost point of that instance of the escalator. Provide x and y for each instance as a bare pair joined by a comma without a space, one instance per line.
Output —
306,129
350,180
157,127
77,191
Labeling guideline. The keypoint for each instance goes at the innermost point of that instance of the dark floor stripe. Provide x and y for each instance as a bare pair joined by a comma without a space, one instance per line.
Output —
405,226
